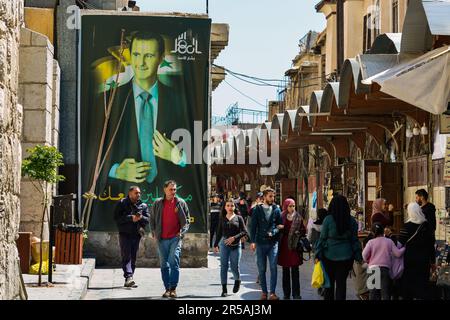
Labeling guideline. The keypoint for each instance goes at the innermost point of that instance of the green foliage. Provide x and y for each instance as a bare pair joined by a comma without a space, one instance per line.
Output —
42,164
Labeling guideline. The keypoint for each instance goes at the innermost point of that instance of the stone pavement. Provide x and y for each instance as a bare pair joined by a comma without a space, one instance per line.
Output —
70,282
196,283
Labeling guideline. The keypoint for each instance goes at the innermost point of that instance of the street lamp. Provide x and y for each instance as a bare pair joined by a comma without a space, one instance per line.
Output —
416,130
408,132
424,130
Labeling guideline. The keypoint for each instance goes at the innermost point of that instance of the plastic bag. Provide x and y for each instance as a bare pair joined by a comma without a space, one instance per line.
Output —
317,277
35,250
34,269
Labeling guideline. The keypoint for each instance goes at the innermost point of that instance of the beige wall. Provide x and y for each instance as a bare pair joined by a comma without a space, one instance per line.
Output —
40,20
39,77
329,10
304,82
353,27
354,12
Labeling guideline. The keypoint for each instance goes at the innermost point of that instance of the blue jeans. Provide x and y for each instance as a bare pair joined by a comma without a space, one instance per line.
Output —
264,252
229,256
169,258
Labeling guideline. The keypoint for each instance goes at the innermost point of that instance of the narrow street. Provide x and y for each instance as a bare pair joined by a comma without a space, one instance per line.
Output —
314,125
196,284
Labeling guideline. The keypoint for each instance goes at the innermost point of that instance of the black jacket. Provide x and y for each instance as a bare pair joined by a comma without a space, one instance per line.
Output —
420,249
231,228
172,114
123,215
429,210
243,209
259,226
126,143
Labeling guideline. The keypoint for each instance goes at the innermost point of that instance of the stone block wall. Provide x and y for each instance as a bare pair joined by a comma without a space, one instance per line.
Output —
39,77
105,247
11,17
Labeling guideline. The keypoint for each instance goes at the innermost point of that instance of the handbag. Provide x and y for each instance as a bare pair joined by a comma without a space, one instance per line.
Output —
304,246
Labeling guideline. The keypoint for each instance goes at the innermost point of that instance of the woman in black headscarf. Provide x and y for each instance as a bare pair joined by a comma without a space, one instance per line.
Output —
338,246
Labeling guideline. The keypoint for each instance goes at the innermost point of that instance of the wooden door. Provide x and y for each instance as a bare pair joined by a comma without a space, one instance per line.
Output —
372,182
392,190
288,189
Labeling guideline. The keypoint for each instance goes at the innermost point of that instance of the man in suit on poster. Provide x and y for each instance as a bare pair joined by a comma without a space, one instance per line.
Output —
144,114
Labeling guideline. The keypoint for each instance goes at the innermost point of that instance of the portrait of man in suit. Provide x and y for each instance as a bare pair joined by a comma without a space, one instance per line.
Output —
139,142
138,93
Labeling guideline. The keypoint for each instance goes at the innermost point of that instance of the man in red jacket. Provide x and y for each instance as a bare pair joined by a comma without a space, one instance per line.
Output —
169,220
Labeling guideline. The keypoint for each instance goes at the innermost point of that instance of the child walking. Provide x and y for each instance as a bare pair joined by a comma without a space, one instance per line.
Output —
378,253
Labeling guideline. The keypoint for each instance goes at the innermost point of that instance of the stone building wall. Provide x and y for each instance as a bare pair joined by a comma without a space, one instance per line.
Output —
105,247
39,77
11,17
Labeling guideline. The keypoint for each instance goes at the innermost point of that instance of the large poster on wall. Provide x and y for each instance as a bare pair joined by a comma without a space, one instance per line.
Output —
144,79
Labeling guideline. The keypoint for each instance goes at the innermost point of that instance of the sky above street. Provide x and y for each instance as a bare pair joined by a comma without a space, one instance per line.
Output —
264,37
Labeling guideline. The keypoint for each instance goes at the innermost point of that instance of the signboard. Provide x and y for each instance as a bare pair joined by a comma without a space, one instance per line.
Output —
154,90
444,124
447,161
372,179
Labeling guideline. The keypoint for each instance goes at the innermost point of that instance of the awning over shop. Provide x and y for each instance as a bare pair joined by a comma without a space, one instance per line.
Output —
425,19
423,81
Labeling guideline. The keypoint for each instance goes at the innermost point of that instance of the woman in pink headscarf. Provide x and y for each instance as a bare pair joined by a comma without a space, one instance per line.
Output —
289,258
380,214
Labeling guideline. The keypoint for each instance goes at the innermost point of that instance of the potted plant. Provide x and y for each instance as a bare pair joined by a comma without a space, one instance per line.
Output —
41,166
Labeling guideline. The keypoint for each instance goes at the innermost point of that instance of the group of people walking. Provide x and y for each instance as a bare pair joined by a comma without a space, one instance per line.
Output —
169,220
403,262
404,259
273,234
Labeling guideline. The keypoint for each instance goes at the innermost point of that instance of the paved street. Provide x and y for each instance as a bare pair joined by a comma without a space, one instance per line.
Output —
203,283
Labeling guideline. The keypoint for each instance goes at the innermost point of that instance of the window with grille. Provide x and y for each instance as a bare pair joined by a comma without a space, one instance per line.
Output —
367,35
395,16
376,20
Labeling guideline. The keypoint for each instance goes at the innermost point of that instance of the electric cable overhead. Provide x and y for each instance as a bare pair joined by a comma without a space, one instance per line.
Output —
245,95
264,82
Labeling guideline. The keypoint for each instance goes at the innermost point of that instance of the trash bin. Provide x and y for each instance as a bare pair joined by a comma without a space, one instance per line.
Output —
68,244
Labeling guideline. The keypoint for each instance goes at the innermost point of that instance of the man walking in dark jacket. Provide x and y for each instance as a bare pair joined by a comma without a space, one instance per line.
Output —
265,228
132,217
169,221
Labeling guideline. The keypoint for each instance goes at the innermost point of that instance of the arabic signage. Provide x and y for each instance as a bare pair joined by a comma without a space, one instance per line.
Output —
134,96
447,161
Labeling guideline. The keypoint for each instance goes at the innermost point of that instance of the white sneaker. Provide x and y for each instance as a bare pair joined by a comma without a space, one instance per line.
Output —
129,282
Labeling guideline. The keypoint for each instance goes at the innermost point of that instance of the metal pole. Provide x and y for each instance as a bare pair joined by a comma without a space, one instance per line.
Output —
50,246
207,6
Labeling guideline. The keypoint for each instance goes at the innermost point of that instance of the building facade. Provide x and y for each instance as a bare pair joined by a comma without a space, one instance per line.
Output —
11,18
348,135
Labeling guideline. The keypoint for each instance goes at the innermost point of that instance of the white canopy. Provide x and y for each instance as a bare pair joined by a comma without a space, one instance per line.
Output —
423,82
